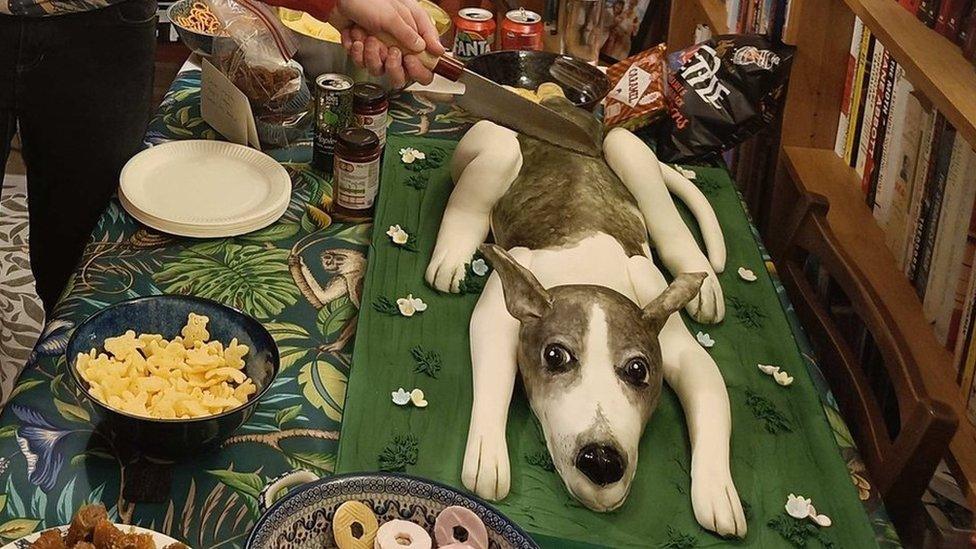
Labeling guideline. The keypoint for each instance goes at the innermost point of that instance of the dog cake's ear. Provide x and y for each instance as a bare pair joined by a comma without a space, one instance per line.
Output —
525,298
682,290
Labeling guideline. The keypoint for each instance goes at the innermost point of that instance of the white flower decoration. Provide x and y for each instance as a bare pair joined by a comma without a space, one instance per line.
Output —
783,378
747,274
409,154
398,235
822,521
410,305
417,398
400,397
768,369
705,340
688,174
798,507
479,267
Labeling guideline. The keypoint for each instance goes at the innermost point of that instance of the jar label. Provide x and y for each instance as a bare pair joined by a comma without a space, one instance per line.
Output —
356,183
375,124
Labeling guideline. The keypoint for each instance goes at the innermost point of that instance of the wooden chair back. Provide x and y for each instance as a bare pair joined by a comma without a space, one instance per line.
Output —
901,432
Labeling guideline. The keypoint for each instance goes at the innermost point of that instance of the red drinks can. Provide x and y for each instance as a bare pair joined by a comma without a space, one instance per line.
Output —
522,30
475,33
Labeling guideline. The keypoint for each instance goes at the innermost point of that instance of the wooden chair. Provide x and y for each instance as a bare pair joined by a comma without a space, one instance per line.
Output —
902,432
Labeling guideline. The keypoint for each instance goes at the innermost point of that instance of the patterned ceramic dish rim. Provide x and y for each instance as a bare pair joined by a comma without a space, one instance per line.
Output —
513,533
179,6
275,358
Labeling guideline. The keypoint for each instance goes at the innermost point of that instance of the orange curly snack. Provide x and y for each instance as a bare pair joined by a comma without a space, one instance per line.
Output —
84,523
49,540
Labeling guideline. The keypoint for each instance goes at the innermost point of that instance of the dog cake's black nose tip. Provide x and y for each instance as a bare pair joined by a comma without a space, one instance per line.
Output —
600,463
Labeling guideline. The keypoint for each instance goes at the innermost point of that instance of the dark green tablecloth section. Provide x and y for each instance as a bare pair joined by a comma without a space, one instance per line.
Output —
766,466
210,502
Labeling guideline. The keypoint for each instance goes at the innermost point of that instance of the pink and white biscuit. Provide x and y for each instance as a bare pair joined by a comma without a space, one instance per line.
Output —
402,534
455,518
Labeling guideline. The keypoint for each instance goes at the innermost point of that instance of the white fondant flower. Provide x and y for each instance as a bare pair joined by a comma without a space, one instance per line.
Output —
479,267
705,340
409,154
783,378
417,398
769,369
821,520
400,397
798,507
397,235
410,305
688,174
747,274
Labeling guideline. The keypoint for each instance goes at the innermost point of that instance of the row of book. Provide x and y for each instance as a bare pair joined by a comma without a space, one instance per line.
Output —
767,17
919,177
954,19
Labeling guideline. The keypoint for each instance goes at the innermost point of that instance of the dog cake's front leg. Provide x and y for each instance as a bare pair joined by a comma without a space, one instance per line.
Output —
485,163
696,379
494,347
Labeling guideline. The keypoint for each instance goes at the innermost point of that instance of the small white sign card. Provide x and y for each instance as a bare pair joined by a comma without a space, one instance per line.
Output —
226,108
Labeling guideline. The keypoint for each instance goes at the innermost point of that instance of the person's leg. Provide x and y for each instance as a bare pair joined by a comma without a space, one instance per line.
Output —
9,50
83,104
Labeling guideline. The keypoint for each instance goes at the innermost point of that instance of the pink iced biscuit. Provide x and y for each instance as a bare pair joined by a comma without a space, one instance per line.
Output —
454,518
402,534
456,546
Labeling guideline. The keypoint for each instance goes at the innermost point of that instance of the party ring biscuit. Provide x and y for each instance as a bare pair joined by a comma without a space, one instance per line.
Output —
457,525
354,526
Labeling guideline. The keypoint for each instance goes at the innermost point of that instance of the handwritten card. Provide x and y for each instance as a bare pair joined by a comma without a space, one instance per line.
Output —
226,108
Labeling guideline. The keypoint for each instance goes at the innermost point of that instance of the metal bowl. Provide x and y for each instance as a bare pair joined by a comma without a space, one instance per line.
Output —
583,84
200,42
166,315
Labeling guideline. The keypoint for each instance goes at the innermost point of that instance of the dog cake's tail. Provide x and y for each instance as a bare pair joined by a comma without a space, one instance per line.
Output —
692,196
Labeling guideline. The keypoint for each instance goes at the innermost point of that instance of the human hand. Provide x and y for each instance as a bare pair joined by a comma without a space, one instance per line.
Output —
362,21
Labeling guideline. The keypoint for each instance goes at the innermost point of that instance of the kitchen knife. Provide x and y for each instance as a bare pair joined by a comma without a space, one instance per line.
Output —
491,101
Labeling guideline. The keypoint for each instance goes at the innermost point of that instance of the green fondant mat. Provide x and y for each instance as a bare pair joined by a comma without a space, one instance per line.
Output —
781,440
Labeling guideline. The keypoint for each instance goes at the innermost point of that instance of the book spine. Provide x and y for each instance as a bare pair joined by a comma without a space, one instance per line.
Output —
867,119
955,14
877,122
906,162
928,12
910,5
892,155
918,238
857,99
935,211
968,33
882,141
843,122
948,237
966,333
942,18
960,248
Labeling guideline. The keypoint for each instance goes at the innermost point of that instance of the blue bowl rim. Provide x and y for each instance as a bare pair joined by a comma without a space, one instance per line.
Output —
248,544
275,359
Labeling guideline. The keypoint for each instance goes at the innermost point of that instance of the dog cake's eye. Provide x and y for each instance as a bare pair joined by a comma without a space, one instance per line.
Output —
635,372
556,356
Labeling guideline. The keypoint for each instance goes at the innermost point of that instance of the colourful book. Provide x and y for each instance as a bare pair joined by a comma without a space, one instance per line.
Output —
950,18
910,5
914,223
928,12
857,100
843,122
905,157
869,108
934,212
891,148
882,103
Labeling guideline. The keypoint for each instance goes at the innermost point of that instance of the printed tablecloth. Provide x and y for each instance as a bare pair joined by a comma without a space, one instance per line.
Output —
53,459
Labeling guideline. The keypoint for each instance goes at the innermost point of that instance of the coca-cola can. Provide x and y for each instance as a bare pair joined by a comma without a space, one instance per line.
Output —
522,30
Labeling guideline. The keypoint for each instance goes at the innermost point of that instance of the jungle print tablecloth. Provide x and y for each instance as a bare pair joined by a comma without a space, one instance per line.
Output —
53,459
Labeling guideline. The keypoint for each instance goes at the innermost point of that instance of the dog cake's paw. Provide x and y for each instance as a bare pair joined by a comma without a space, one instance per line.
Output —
717,505
447,269
486,468
708,307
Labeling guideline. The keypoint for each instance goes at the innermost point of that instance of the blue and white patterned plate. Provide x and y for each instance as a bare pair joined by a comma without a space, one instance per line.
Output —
303,518
161,540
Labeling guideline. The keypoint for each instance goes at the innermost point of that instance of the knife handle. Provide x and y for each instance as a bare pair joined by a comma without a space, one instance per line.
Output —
445,66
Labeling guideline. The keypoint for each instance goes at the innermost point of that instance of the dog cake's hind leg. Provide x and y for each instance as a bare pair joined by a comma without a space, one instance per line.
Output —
639,170
494,345
697,381
485,163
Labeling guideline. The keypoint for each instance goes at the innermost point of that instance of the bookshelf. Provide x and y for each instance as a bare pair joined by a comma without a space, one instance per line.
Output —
821,30
935,66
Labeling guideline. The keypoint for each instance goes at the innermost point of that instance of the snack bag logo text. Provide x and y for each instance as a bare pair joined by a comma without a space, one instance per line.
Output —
751,55
700,73
631,86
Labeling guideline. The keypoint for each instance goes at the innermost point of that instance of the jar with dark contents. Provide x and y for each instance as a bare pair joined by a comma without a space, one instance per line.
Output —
371,108
356,176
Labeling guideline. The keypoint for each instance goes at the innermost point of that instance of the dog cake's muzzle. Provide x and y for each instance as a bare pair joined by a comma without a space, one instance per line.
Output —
601,463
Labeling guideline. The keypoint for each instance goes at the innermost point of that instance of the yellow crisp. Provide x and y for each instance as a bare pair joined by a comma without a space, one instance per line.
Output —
186,377
546,89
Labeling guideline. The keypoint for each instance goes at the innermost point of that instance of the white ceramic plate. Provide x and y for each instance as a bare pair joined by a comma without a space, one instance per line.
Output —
210,188
161,540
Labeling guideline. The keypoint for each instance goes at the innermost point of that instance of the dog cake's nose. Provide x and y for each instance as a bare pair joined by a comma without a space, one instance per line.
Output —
600,463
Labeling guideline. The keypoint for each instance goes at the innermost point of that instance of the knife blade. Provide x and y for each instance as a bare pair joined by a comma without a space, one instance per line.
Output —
491,101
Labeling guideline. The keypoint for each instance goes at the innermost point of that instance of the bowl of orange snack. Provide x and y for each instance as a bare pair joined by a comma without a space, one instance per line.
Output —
197,26
172,375
91,529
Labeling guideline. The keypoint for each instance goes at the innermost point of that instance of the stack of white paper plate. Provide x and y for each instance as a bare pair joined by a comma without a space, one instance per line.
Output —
204,189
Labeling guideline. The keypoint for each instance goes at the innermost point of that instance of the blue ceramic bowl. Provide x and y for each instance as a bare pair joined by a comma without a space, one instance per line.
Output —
303,518
166,315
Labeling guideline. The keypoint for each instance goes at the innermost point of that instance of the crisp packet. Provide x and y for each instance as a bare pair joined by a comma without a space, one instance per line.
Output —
637,97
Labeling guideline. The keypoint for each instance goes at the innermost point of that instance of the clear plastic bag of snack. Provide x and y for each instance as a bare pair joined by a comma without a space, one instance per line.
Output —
258,58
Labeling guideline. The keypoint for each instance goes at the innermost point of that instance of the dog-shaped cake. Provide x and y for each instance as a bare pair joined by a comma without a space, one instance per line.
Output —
577,305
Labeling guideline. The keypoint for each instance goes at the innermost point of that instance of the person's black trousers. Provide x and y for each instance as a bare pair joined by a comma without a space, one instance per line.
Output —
80,88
